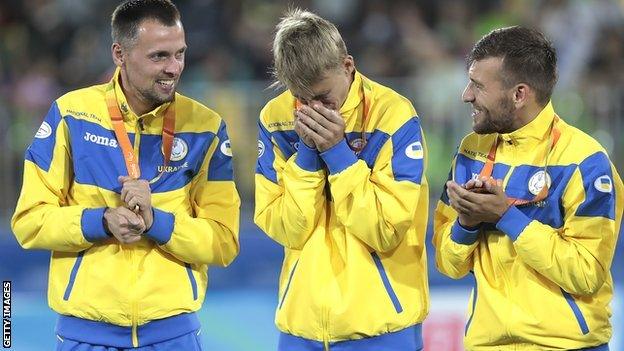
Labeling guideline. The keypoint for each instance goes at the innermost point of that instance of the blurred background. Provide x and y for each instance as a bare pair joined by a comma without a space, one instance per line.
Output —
48,47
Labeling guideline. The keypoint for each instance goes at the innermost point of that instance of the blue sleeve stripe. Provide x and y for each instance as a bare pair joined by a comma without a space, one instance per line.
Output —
599,188
292,272
513,222
474,303
577,312
386,283
408,152
72,275
220,167
41,149
162,227
266,155
462,235
339,157
308,158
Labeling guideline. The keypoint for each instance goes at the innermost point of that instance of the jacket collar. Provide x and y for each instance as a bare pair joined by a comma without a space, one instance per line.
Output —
124,107
535,130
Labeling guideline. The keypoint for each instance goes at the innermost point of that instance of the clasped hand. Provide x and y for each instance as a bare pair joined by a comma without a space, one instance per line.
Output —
127,223
481,200
319,127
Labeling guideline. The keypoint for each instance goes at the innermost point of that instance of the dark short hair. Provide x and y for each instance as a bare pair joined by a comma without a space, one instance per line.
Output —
129,15
528,57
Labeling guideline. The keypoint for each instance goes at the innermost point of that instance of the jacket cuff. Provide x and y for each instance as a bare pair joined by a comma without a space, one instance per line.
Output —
162,227
339,157
92,224
462,235
308,158
513,222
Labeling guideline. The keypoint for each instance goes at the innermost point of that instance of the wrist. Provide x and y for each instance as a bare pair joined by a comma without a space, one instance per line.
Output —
105,222
468,224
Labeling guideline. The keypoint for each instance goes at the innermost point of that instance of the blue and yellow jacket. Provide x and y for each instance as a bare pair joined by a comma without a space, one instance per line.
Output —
352,225
542,273
106,291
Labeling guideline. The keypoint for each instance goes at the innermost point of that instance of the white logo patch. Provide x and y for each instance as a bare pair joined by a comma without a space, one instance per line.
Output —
537,182
260,148
603,184
44,131
414,151
226,148
100,140
179,149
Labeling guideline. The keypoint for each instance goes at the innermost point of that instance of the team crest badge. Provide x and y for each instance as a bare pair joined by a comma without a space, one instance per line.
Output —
414,151
179,149
603,184
44,131
260,148
537,182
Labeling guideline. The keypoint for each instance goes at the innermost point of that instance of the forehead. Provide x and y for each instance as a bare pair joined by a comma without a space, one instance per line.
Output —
152,35
486,70
323,85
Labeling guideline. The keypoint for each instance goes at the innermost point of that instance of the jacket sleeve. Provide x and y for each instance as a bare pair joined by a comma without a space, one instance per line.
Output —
290,195
210,234
454,244
378,205
42,218
577,256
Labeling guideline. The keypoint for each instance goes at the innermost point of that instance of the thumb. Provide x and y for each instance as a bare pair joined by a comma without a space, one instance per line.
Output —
123,179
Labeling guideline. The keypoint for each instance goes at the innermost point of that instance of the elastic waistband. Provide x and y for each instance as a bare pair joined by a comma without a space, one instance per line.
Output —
106,334
408,339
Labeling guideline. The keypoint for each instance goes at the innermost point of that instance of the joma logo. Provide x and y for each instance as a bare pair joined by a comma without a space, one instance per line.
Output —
100,140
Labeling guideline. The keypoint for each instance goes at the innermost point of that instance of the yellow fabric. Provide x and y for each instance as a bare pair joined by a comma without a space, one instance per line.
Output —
538,263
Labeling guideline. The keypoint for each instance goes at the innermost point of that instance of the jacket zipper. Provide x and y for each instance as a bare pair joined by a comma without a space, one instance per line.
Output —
134,303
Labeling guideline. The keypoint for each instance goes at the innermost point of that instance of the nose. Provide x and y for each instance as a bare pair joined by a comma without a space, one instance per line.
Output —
467,95
174,66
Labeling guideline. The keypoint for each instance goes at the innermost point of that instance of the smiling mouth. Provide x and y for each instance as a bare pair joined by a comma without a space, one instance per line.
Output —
166,83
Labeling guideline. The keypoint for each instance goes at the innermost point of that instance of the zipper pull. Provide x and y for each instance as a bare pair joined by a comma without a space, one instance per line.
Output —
141,127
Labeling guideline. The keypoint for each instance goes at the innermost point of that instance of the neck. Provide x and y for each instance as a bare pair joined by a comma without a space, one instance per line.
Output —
527,114
136,102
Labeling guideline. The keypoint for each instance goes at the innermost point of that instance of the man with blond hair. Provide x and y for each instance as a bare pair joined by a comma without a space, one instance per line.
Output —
340,184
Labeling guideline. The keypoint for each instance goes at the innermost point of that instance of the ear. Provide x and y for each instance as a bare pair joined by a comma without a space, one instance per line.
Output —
522,94
349,64
118,54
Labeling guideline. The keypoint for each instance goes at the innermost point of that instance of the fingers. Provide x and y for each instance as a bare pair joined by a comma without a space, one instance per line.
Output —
329,115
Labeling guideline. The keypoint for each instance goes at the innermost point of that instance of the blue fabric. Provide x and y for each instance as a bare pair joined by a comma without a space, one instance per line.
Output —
41,149
474,303
266,155
292,272
109,335
308,158
408,339
462,235
186,342
466,168
339,157
92,224
162,227
386,283
189,271
577,312
603,347
72,275
408,152
513,222
220,167
596,174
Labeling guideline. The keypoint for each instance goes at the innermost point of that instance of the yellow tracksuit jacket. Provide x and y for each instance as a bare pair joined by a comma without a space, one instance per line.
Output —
542,279
70,177
352,225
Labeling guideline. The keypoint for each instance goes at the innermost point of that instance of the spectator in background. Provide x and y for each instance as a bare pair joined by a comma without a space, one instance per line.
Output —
131,235
340,184
532,208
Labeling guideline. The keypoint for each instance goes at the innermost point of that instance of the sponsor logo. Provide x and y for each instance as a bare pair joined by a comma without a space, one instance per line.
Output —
44,131
603,184
100,140
179,149
226,148
537,182
260,148
414,151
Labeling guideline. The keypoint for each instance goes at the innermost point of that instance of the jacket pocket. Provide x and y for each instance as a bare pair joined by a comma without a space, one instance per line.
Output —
191,277
577,312
386,283
72,275
292,272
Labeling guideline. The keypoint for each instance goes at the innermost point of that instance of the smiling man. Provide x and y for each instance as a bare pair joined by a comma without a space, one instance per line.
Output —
129,184
340,184
532,208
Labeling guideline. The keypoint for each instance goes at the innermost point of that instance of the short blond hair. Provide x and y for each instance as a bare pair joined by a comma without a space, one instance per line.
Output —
305,47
